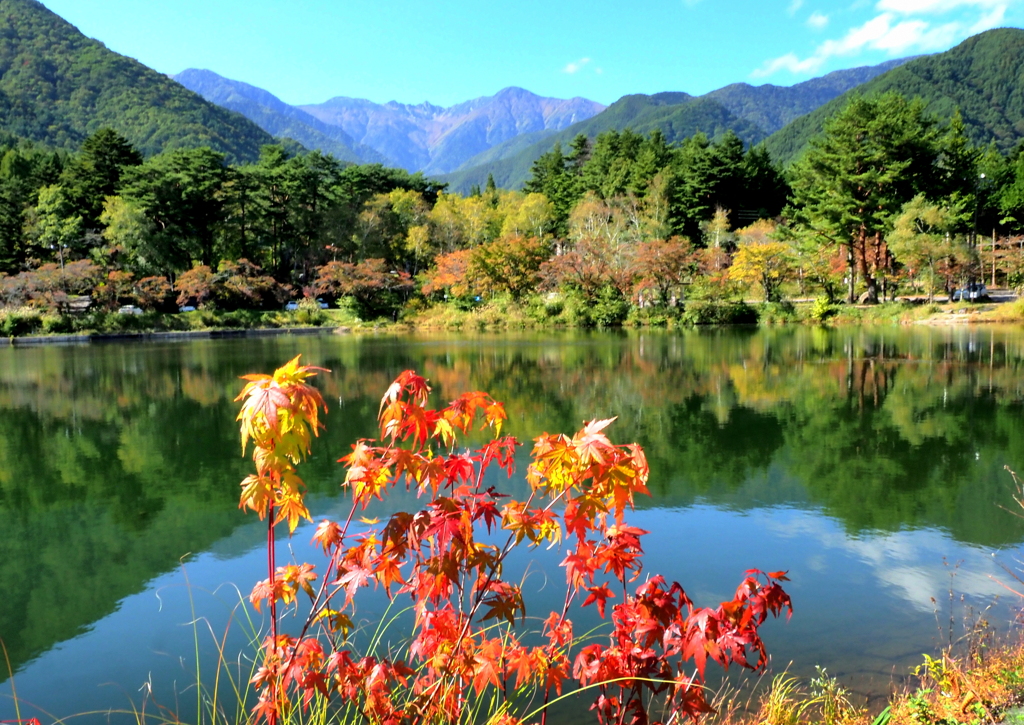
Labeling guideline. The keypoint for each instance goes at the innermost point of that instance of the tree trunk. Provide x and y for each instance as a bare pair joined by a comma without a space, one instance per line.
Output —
870,296
851,275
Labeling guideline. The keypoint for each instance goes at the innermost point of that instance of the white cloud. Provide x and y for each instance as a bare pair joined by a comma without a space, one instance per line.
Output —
908,563
900,27
790,62
795,6
817,20
992,19
576,66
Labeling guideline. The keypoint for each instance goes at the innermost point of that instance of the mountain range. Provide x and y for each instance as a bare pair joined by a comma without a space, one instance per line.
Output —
276,117
421,137
982,77
751,112
501,135
57,87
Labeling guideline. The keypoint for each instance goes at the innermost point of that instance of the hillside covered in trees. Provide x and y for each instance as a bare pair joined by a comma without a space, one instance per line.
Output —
58,87
981,78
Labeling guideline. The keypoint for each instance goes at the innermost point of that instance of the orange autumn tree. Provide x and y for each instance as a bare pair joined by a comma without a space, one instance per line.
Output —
467,644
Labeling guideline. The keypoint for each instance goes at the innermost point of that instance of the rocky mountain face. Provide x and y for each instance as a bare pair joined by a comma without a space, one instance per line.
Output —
275,116
436,140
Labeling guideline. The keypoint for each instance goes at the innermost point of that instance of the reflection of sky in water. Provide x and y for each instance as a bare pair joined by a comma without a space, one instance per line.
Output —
747,472
863,604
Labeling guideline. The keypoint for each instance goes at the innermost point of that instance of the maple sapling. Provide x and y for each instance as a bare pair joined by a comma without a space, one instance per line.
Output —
467,644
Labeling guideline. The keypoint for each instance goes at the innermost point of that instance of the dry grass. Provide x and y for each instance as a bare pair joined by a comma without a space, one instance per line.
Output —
971,689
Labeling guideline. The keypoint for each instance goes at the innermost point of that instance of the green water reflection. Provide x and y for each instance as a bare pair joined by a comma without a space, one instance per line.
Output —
117,461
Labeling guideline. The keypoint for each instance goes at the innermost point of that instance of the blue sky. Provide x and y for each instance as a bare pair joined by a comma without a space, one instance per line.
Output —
447,51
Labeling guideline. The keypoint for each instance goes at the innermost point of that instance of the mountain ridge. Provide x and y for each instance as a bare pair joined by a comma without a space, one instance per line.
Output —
275,116
435,139
751,112
979,76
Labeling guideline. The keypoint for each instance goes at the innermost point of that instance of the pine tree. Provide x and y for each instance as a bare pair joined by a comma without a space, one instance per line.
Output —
874,156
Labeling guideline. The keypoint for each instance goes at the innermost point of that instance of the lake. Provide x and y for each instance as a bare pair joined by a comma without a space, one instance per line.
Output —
869,462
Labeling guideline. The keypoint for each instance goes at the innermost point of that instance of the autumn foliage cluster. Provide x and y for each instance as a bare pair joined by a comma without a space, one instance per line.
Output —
470,640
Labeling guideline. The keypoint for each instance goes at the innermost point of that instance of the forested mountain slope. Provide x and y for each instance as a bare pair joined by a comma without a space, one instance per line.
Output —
57,86
983,77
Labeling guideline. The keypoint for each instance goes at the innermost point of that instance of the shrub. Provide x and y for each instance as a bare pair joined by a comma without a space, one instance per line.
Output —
465,651
702,312
773,313
310,313
56,324
654,316
194,287
822,309
378,290
155,293
16,323
610,308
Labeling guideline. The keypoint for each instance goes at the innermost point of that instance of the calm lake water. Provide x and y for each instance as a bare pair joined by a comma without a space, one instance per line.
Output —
867,462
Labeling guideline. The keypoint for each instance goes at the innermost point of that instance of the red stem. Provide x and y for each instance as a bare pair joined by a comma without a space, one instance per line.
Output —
272,572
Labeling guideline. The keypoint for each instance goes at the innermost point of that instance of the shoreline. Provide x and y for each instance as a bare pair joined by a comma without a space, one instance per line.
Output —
102,337
503,317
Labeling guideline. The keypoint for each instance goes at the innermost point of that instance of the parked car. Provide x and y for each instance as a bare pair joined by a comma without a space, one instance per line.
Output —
292,306
323,305
971,293
187,308
129,310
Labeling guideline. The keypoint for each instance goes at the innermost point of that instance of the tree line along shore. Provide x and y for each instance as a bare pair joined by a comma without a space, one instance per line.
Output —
888,202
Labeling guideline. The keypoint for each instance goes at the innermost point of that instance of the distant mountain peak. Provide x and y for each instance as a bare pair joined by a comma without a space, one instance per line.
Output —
437,139
275,116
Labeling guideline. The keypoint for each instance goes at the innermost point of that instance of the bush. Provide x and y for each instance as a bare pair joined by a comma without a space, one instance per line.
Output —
702,312
56,324
16,323
774,313
310,313
822,309
610,308
654,316
575,310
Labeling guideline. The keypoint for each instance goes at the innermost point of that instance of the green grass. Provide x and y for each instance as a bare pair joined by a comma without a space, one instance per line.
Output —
24,322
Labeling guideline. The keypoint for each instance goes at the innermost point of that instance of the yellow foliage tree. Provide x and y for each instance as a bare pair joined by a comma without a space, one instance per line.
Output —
761,260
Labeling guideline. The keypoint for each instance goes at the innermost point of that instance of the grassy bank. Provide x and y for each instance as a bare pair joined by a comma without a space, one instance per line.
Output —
983,684
28,322
569,312
535,313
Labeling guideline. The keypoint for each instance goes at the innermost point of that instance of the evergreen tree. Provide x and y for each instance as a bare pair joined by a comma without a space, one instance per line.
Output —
181,193
873,157
95,173
551,176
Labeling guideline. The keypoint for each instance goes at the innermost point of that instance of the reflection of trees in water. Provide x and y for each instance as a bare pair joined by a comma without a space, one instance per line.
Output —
117,460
